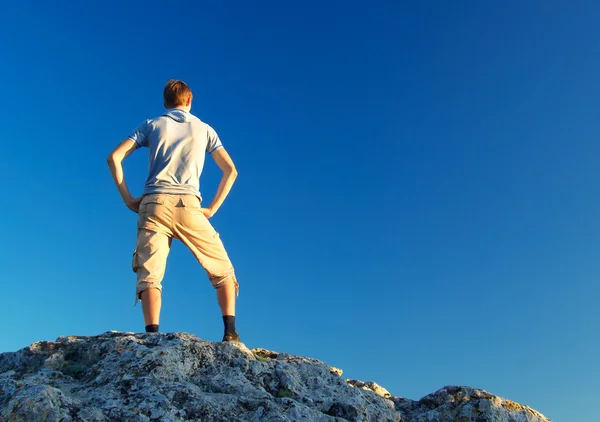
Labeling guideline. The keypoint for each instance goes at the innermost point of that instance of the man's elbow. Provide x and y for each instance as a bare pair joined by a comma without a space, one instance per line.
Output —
111,160
229,170
114,157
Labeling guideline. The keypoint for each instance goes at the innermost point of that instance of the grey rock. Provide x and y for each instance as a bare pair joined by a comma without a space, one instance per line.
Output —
175,377
465,404
180,377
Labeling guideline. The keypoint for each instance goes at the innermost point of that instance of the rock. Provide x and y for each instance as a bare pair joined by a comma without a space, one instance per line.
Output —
462,404
175,377
371,386
180,377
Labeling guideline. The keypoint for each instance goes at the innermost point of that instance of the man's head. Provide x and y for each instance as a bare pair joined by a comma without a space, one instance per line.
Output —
177,94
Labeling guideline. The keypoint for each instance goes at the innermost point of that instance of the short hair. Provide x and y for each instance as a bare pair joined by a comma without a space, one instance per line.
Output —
176,93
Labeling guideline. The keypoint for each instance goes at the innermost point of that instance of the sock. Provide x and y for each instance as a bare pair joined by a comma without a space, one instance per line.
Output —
229,321
152,328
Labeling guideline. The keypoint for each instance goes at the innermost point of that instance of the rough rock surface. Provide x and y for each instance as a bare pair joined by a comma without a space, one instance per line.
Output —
180,377
462,404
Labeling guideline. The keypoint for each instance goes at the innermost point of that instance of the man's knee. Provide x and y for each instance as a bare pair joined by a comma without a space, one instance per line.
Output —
145,286
222,280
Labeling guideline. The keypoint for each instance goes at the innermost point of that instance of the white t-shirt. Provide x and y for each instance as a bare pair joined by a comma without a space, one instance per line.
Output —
177,141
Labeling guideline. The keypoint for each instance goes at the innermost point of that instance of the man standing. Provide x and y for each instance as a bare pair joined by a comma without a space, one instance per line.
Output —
170,205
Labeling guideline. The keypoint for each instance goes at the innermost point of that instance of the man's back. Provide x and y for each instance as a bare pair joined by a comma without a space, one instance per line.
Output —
177,141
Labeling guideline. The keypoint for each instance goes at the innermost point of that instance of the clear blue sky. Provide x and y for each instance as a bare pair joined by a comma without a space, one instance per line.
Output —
417,200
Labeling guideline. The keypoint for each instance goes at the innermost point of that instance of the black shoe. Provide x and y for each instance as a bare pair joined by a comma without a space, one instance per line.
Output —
235,337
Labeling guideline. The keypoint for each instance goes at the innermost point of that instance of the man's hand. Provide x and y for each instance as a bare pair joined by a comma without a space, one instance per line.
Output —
134,204
208,212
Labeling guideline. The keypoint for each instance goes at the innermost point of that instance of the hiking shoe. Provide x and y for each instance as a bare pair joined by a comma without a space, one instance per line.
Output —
235,337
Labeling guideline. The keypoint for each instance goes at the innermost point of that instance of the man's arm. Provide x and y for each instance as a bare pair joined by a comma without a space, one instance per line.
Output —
226,165
115,160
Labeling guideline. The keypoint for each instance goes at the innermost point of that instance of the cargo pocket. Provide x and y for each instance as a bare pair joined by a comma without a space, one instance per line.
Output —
134,262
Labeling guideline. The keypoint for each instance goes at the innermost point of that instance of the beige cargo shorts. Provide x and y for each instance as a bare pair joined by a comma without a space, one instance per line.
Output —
163,217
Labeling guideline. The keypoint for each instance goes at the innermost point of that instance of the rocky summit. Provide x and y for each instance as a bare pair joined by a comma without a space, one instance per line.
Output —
180,377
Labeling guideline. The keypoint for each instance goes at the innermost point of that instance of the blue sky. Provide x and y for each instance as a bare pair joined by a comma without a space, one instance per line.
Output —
417,198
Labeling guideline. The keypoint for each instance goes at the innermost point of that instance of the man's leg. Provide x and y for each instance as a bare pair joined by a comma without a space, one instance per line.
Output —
226,294
226,297
196,232
151,302
152,251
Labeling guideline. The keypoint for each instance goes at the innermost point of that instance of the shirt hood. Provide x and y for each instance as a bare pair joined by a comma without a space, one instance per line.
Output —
178,115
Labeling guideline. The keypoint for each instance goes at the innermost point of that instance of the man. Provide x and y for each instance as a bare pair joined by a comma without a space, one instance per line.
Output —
170,205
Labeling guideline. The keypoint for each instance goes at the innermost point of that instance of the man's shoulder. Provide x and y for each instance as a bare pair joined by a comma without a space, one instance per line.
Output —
201,123
155,119
196,119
